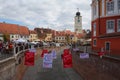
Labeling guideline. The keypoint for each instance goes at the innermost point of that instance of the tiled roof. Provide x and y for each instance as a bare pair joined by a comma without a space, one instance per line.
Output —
68,32
13,29
80,35
32,32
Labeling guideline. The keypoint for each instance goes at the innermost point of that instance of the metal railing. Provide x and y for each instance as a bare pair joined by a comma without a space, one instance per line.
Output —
88,49
15,51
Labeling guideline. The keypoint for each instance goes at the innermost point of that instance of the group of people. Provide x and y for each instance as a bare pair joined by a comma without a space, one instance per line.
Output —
5,47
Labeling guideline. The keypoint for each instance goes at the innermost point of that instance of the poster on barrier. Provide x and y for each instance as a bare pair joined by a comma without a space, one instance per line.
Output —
47,61
84,55
101,54
75,49
67,61
29,58
44,51
32,50
54,54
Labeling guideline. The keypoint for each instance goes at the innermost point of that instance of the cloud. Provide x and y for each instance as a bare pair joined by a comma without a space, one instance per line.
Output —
55,14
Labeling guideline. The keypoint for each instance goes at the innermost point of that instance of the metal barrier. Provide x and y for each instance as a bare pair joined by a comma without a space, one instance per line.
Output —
89,50
15,51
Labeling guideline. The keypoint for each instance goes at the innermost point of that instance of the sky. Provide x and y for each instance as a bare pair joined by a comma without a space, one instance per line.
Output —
53,14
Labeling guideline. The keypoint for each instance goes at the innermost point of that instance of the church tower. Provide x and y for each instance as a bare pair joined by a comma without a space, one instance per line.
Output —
78,22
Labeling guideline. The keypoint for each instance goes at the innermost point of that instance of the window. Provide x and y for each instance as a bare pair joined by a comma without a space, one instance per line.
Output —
12,36
94,29
56,37
119,4
118,25
94,42
94,10
110,6
107,46
110,26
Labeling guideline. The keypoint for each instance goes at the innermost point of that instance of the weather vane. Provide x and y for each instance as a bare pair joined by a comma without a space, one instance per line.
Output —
78,9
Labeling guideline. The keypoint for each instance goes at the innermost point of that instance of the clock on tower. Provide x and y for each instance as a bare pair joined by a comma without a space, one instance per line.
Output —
78,20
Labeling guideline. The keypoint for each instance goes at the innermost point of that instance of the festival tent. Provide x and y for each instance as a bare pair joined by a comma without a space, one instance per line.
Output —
20,40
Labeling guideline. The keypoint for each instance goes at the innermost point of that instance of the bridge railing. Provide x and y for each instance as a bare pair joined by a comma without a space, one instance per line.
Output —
15,51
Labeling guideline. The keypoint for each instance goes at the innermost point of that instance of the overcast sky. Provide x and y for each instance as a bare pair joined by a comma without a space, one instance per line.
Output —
53,14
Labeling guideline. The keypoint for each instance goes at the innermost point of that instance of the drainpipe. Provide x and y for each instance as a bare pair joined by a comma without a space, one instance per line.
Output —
99,16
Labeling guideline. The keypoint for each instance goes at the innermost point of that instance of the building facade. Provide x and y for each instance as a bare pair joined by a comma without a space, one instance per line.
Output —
14,31
78,23
106,26
33,35
48,37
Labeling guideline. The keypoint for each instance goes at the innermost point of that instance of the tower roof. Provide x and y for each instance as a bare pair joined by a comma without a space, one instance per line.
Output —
78,13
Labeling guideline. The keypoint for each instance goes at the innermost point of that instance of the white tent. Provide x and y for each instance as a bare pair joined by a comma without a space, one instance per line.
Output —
21,40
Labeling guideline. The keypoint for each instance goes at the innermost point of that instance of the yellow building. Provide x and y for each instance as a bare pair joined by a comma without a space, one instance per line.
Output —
33,36
48,37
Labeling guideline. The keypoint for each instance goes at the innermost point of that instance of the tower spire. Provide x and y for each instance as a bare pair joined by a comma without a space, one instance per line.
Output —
78,13
78,9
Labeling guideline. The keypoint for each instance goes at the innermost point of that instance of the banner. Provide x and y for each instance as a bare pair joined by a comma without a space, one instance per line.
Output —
32,50
75,49
84,55
29,58
65,52
47,61
44,51
101,53
54,54
67,61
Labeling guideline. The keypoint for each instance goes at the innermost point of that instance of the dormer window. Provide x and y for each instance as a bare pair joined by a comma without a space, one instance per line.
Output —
110,6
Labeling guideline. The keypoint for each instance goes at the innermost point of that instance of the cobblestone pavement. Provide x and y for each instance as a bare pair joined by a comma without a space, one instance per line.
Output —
37,72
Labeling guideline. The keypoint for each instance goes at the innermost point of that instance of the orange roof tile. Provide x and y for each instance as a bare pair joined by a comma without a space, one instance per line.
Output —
13,29
32,32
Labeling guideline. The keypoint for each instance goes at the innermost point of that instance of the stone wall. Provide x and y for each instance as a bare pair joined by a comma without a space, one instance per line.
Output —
7,69
96,68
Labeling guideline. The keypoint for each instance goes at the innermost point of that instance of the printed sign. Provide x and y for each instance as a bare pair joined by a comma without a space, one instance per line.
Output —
54,54
47,61
29,58
84,55
45,51
75,49
32,50
67,61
